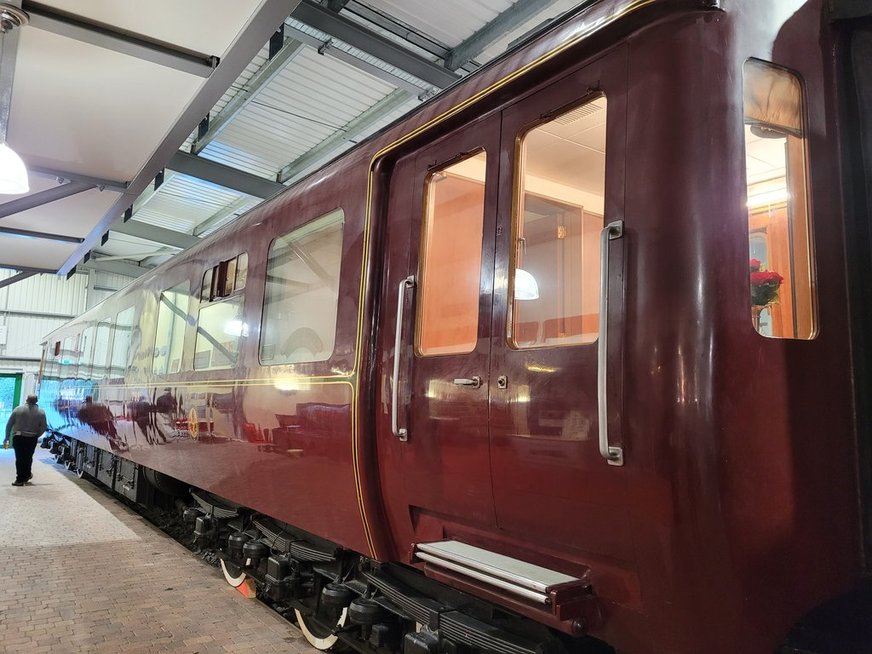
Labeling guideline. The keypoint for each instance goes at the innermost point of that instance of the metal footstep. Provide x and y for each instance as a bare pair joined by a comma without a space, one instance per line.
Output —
561,593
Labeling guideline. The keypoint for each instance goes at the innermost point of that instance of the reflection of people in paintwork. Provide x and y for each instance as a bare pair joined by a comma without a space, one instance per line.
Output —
166,408
139,410
99,418
166,403
87,412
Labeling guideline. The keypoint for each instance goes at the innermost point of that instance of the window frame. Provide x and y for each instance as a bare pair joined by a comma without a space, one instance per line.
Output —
518,190
186,283
309,224
807,203
424,250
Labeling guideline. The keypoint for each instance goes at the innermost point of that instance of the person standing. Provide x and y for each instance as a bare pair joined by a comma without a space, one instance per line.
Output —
25,426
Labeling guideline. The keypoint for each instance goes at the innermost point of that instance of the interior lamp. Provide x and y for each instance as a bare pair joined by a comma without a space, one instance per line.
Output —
526,287
13,174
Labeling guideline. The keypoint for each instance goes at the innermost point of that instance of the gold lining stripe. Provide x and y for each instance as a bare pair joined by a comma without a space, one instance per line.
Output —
223,383
367,227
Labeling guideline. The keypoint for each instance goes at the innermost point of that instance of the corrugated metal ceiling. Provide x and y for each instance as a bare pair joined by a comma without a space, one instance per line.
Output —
328,96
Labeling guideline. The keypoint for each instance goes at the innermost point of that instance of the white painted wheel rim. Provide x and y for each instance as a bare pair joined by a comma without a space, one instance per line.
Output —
326,642
234,581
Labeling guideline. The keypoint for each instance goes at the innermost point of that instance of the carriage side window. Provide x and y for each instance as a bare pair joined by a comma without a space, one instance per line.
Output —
101,350
69,357
559,207
52,360
222,279
451,242
301,298
220,325
119,360
86,347
781,268
172,317
49,382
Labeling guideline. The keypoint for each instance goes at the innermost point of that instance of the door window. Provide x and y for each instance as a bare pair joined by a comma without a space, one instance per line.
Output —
451,243
783,303
559,202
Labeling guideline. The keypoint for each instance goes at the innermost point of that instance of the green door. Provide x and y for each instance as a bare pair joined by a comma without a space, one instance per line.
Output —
10,396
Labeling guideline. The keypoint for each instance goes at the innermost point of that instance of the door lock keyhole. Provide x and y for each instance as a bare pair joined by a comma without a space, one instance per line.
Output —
502,381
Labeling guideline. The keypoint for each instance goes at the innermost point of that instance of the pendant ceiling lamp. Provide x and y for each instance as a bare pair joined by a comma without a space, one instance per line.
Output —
526,287
13,174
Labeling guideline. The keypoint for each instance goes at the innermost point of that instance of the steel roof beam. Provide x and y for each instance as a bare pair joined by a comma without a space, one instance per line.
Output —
356,35
26,233
263,24
115,267
107,36
417,39
218,216
155,234
390,24
43,197
96,182
270,69
367,67
155,259
349,133
9,266
20,277
218,173
149,194
485,37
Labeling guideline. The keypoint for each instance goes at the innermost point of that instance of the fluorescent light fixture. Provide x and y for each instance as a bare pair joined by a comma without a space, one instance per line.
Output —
526,287
768,198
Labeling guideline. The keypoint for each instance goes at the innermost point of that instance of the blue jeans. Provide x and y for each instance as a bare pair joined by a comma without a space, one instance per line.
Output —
24,447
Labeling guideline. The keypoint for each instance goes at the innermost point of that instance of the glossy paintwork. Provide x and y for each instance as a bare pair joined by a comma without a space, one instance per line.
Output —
265,437
736,511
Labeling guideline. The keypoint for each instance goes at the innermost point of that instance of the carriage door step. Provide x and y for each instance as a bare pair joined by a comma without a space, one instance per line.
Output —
532,582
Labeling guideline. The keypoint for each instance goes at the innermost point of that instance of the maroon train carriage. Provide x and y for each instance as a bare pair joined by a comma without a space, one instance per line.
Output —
565,361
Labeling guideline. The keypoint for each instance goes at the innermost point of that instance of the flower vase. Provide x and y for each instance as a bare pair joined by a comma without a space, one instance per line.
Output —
756,310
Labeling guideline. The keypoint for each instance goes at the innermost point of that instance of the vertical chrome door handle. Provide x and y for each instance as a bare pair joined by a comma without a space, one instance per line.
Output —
399,432
614,455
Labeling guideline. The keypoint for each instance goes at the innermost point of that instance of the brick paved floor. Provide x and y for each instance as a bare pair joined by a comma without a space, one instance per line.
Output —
82,573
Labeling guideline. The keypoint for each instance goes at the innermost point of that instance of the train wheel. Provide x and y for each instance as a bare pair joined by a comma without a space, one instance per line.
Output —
319,636
232,573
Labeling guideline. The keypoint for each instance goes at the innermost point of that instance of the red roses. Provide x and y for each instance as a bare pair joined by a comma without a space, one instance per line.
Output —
764,284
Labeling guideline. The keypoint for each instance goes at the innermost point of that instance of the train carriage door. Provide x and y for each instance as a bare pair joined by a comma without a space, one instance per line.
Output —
558,480
441,215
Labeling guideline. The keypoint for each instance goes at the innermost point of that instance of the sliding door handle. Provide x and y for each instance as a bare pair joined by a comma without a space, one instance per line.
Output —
614,455
400,432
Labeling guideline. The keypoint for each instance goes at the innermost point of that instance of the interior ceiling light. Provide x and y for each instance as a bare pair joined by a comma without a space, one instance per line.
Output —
13,174
526,287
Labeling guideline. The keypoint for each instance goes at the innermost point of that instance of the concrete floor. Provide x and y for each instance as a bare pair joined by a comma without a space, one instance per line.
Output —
82,573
